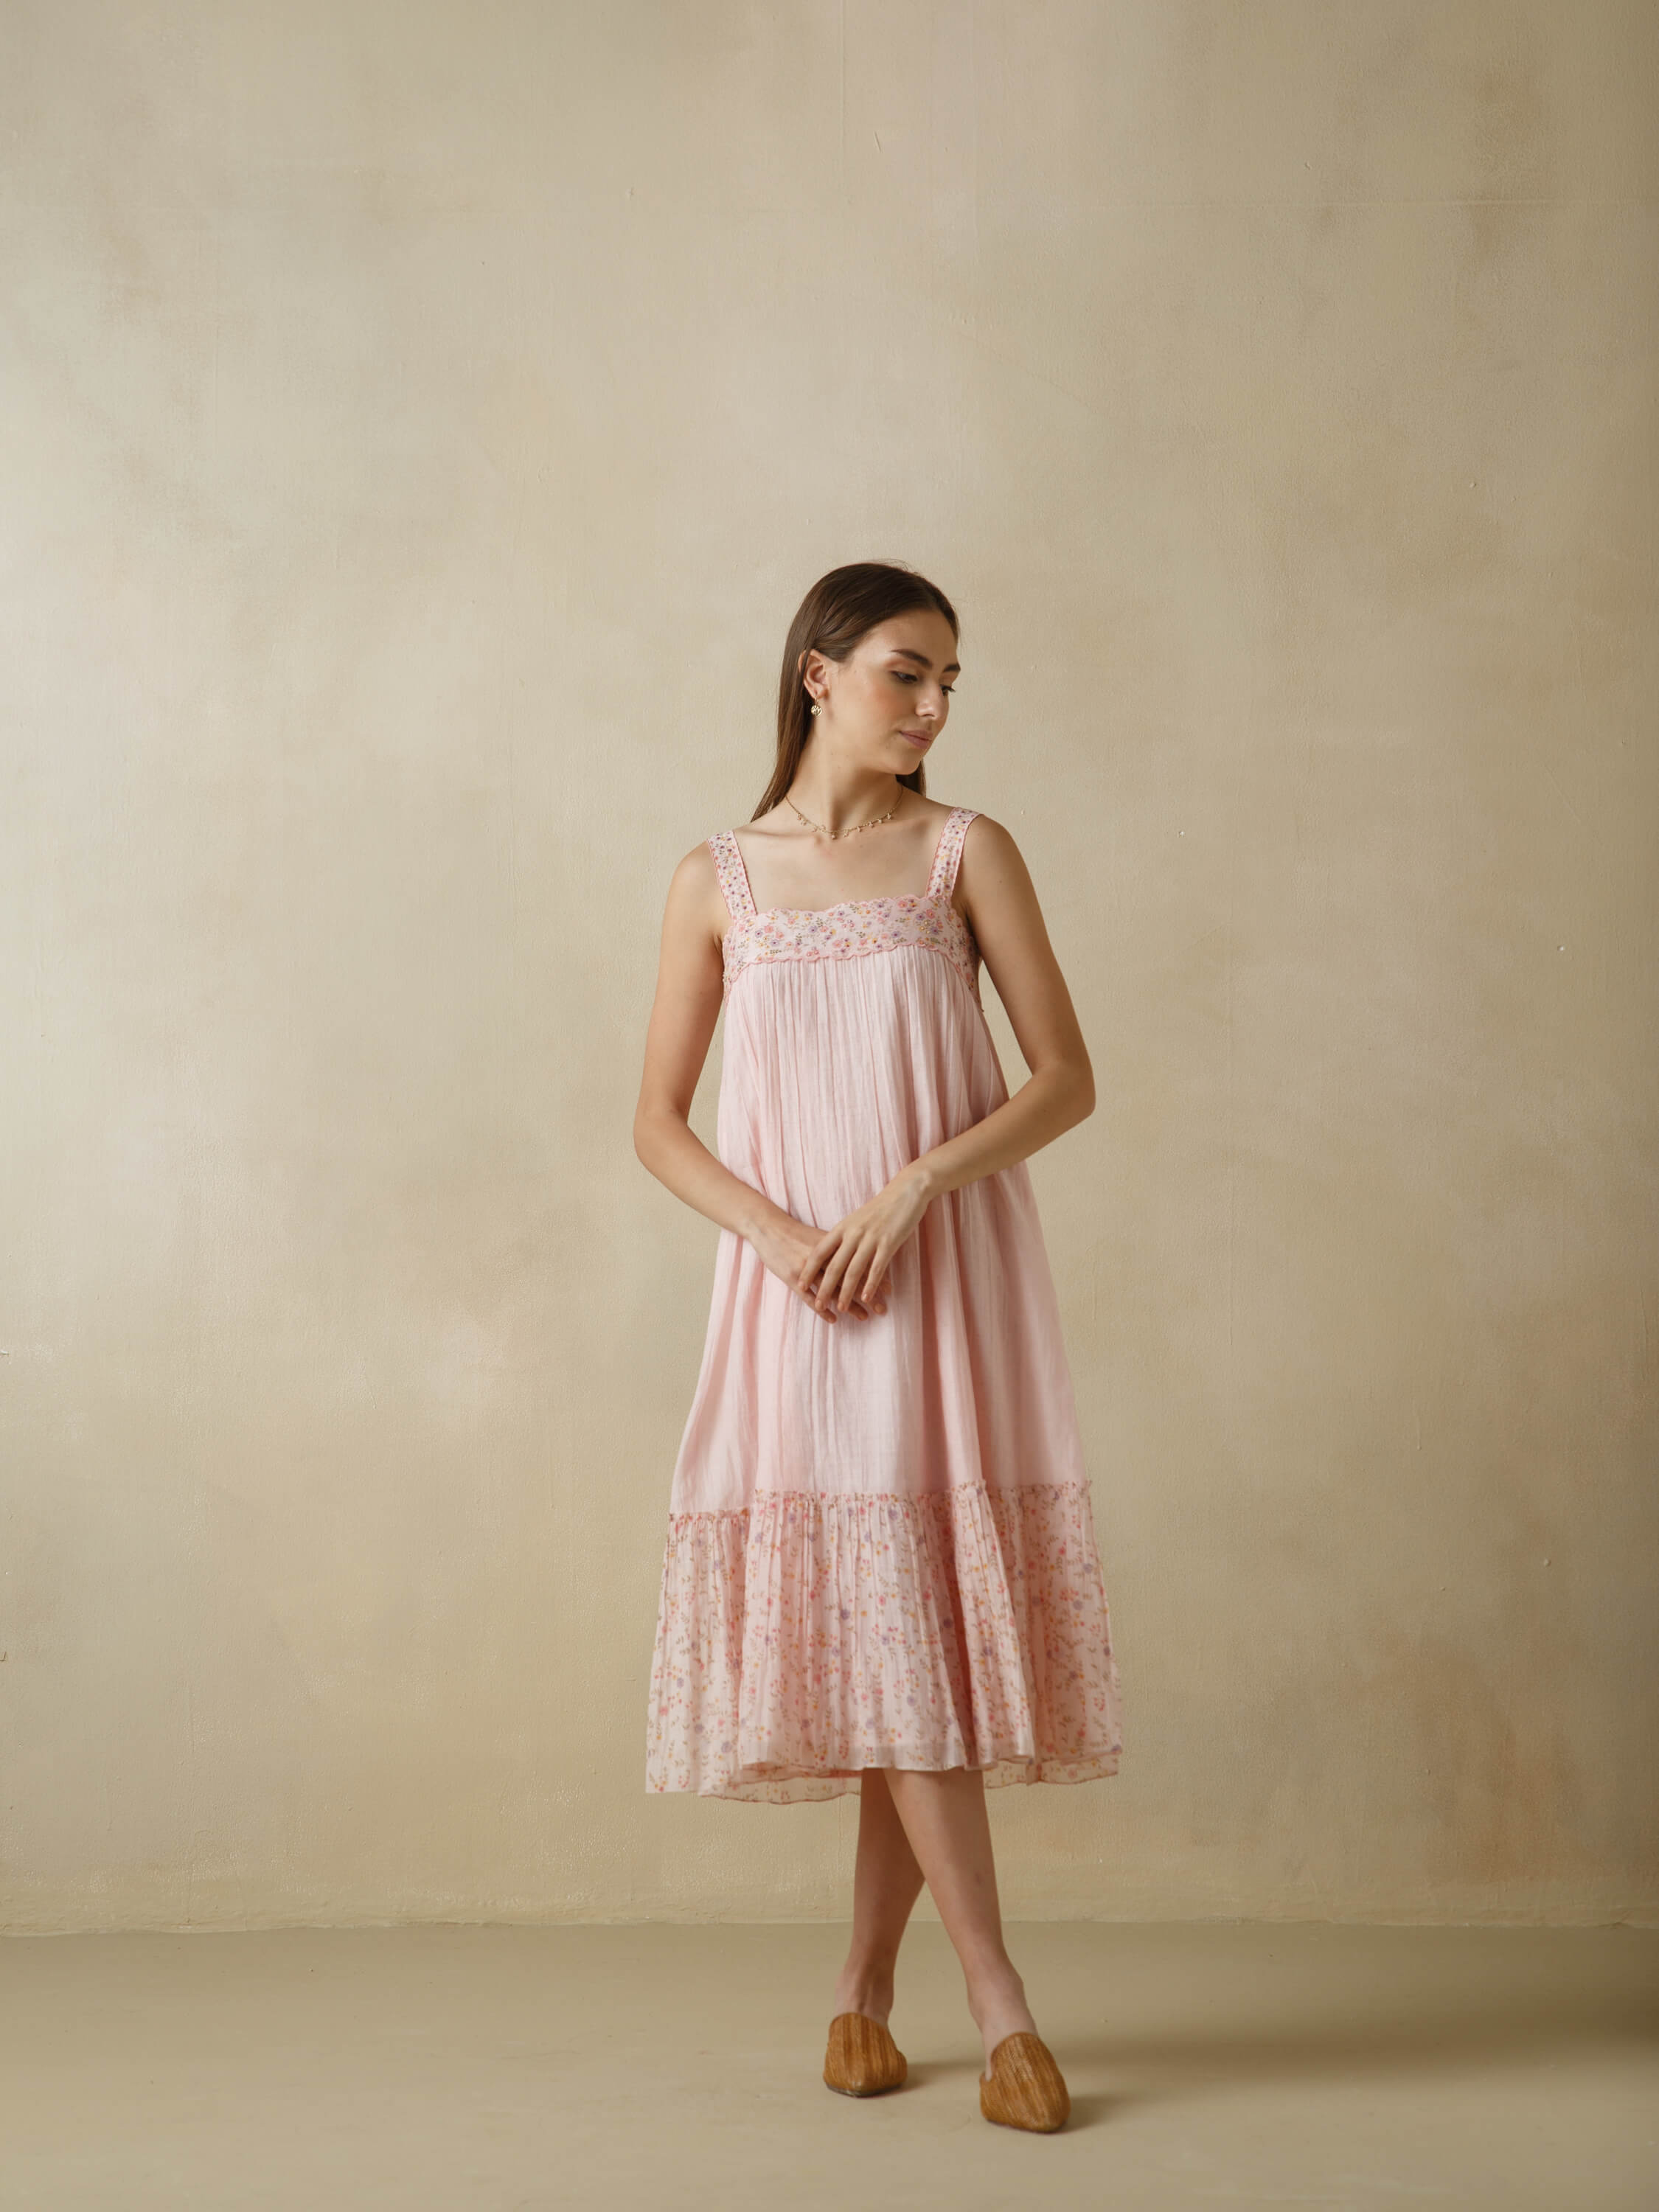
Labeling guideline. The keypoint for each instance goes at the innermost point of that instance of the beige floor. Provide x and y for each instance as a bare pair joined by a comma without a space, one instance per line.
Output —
1218,2065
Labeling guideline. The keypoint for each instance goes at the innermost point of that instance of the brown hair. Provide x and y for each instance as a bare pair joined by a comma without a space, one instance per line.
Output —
840,610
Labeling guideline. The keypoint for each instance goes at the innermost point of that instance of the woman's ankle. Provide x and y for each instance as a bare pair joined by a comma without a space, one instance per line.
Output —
866,1988
997,2001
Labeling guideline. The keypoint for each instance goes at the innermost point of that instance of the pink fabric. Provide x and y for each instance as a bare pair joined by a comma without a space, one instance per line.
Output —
881,1550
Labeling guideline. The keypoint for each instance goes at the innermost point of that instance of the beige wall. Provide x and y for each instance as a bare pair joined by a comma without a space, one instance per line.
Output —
421,422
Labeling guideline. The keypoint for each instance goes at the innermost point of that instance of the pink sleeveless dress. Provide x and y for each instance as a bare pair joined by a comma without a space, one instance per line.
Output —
881,1548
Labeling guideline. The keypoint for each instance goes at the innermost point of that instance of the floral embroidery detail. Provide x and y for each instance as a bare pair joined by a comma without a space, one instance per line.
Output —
806,1637
734,876
851,927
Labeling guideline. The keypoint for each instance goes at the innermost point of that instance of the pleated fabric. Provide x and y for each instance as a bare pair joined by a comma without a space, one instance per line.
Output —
881,1548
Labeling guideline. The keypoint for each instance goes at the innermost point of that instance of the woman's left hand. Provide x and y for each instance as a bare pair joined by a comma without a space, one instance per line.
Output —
855,1254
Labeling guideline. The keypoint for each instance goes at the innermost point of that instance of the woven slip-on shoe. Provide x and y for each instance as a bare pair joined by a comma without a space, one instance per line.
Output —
862,2059
1024,2088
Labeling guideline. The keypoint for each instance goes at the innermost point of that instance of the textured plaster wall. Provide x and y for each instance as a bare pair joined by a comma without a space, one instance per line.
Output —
421,421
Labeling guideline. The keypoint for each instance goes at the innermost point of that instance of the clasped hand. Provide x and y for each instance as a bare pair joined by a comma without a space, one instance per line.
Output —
846,1266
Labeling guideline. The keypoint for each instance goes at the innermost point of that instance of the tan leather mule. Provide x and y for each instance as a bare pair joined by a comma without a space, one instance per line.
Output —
862,2059
1024,2088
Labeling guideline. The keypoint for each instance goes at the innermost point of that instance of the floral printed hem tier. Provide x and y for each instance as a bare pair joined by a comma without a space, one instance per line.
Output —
881,1548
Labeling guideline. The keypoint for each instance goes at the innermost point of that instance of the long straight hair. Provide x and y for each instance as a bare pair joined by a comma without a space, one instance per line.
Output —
840,610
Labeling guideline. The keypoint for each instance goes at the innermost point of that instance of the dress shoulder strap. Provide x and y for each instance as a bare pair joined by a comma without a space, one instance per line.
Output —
947,854
734,876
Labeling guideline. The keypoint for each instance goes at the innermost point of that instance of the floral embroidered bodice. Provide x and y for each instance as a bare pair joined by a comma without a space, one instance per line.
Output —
852,926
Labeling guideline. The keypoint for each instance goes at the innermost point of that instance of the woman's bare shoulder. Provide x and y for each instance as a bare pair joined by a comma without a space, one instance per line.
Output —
695,869
695,904
986,835
992,868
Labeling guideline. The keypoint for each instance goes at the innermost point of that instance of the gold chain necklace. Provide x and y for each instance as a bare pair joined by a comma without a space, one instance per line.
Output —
851,831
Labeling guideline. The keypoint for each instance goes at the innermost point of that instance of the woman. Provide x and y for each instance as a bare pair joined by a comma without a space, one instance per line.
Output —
881,1569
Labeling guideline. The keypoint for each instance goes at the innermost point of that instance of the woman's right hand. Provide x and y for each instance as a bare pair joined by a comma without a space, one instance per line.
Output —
783,1245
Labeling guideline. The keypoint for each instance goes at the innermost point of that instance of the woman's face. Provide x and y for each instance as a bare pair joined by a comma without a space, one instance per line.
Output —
888,702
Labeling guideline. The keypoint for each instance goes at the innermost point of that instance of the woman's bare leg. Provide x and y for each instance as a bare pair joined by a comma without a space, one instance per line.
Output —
945,1819
886,1883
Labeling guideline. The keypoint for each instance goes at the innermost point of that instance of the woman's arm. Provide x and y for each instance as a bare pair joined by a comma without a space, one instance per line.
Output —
850,1262
683,1016
1001,905
676,1040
